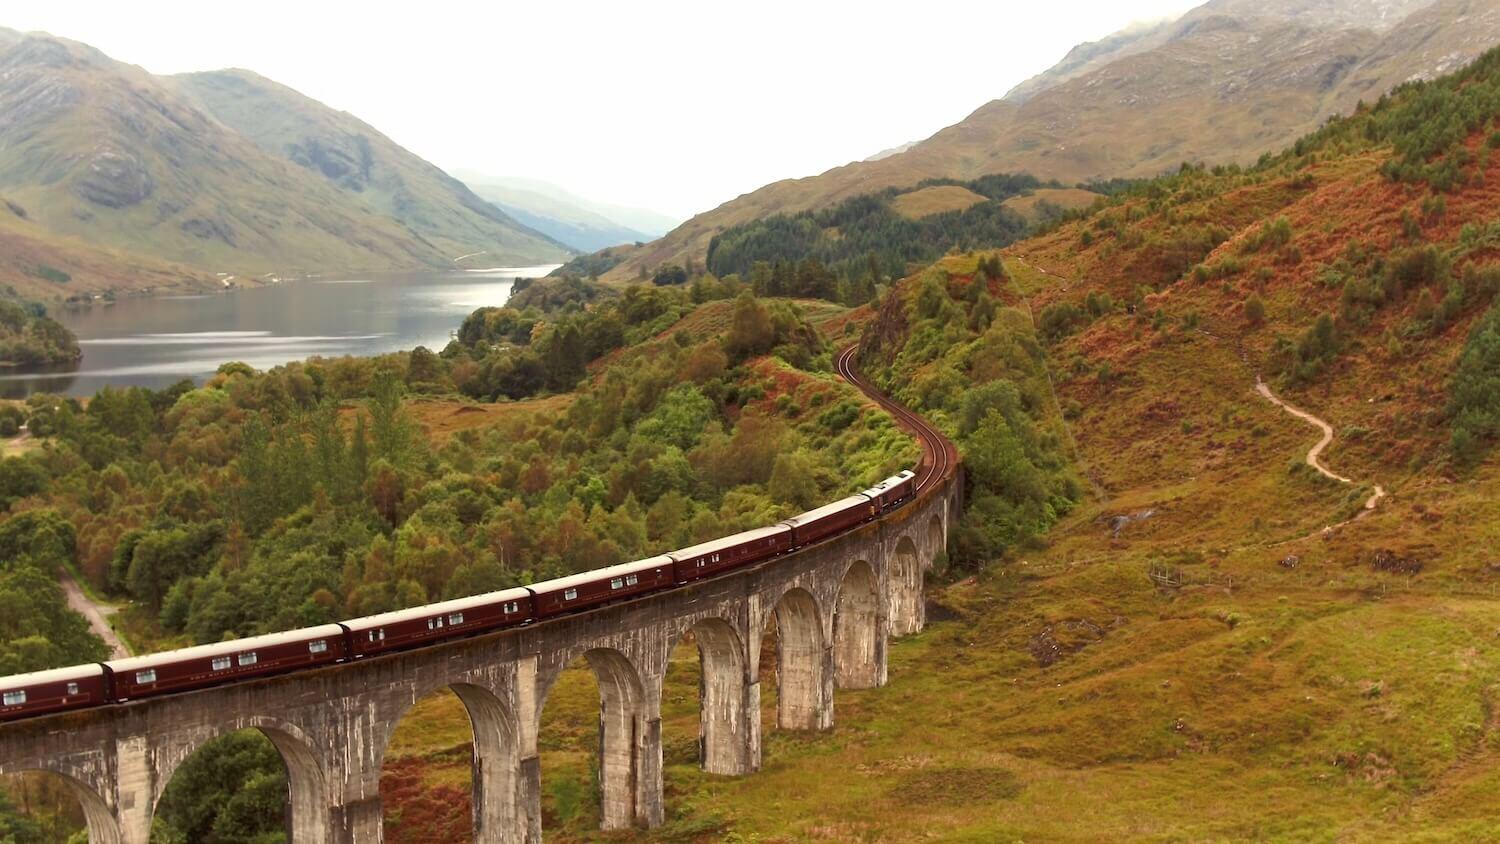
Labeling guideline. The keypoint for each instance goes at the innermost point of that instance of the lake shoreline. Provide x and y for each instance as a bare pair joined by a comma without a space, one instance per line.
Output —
155,341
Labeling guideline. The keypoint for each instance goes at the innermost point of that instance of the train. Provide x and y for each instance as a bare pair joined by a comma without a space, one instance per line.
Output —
136,678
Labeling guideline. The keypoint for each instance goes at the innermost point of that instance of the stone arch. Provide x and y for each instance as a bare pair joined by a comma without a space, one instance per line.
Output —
802,701
622,739
103,827
307,786
858,631
937,539
905,585
498,814
723,726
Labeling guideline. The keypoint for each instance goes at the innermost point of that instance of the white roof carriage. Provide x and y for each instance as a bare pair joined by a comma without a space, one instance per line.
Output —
331,632
457,605
726,542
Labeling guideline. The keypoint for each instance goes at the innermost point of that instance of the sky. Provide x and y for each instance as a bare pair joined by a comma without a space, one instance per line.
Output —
671,106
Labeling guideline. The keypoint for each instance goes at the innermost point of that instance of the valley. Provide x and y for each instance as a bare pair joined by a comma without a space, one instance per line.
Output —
1207,313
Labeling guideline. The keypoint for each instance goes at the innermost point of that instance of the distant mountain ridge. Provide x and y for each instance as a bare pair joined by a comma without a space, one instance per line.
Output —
583,224
211,171
1226,82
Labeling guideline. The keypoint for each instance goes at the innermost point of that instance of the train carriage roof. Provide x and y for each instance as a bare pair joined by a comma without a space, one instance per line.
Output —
724,542
828,510
602,574
54,675
891,481
434,610
233,646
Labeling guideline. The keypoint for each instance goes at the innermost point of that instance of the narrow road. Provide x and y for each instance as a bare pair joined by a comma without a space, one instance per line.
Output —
1314,455
80,603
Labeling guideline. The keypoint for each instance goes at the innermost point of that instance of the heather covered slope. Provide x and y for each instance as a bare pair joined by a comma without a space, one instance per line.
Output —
1226,83
1190,653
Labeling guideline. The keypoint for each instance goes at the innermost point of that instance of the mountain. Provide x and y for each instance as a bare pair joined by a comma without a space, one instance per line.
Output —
93,148
645,220
1228,81
39,265
357,159
580,223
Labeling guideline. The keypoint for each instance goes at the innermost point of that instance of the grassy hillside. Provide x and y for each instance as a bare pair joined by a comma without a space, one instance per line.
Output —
40,265
1225,84
1209,645
93,148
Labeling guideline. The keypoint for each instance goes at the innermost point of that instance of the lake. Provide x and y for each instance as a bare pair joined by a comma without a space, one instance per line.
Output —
155,342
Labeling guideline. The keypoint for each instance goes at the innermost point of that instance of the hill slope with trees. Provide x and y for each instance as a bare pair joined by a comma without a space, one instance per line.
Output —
1226,83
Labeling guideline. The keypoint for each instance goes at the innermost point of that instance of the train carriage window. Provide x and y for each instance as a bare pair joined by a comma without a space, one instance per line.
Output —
248,659
431,623
570,594
147,676
456,618
512,606
382,634
318,647
220,663
631,580
72,689
371,635
15,698
616,583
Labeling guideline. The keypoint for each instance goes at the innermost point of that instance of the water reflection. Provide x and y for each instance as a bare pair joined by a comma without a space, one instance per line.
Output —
157,342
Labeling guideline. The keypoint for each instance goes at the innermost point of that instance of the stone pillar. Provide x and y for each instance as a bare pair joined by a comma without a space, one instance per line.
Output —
859,631
752,727
650,802
824,720
136,784
358,821
531,797
904,578
529,774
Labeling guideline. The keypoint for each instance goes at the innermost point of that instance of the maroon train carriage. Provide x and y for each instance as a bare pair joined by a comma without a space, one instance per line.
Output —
742,549
460,617
815,525
223,662
592,588
893,491
57,690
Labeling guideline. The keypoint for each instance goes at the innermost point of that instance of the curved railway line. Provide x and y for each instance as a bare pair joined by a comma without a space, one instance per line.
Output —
122,680
939,455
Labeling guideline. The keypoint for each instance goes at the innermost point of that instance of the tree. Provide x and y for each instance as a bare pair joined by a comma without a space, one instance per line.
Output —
232,790
1255,310
1474,391
750,330
671,274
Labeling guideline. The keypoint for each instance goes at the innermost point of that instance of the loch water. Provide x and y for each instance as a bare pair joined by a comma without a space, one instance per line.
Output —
157,341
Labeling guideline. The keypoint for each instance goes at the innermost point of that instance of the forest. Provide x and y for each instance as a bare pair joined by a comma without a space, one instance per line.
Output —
263,501
865,236
28,337
948,346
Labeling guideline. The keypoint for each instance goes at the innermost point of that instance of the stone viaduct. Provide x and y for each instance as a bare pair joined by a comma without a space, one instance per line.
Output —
835,605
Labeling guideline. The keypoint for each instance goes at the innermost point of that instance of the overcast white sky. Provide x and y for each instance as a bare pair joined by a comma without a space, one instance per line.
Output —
673,106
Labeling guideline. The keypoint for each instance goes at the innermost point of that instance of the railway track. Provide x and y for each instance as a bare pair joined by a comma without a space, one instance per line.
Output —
939,454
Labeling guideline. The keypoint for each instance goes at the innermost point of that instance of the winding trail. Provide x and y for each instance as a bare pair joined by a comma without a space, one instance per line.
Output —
1314,455
80,603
